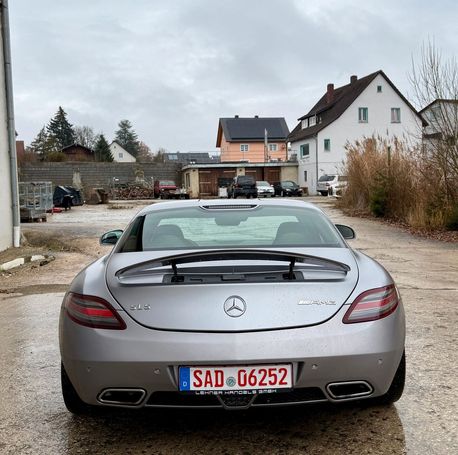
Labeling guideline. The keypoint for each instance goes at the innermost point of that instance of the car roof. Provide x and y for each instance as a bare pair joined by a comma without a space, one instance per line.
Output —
226,204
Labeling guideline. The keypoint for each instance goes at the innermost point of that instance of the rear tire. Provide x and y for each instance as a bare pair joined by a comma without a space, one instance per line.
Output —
397,386
71,399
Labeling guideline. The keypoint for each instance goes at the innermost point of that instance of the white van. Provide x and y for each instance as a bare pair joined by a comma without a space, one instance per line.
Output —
331,184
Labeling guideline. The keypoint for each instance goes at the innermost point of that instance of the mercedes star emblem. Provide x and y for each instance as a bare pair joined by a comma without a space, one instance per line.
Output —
234,306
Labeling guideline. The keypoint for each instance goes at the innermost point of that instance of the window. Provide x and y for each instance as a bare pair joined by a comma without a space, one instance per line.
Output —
273,147
327,145
363,114
305,150
304,124
120,155
379,89
244,147
194,228
395,115
312,121
188,180
305,176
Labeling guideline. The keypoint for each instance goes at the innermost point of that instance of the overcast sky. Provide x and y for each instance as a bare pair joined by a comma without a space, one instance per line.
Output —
174,67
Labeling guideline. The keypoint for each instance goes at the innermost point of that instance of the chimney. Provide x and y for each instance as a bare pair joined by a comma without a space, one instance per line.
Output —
353,79
330,93
236,116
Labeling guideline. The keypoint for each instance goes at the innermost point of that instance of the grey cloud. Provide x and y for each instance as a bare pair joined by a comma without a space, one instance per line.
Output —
173,68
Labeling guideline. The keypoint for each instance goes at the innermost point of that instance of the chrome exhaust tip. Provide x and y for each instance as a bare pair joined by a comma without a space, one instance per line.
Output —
121,396
349,389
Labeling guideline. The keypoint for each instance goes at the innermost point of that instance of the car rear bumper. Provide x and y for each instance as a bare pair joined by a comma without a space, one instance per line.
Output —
143,359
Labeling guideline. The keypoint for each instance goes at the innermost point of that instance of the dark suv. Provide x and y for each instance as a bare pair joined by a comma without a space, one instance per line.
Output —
287,188
243,185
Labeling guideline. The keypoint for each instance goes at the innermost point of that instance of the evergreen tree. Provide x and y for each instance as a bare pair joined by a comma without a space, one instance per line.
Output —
127,137
102,150
44,145
39,144
60,129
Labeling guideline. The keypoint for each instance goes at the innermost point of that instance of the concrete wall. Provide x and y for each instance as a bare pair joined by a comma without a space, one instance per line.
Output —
98,175
6,213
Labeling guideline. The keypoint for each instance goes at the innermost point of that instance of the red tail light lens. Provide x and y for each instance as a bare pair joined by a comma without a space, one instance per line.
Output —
372,305
92,311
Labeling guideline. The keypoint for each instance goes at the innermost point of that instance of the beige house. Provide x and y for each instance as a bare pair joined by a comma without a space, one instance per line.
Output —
120,154
252,139
204,180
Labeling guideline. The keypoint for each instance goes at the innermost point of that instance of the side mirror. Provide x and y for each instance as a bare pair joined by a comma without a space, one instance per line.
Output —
347,232
111,237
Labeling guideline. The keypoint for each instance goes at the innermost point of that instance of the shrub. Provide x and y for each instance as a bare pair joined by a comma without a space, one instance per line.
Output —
388,180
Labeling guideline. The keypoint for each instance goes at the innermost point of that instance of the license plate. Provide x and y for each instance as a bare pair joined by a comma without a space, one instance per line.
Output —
194,379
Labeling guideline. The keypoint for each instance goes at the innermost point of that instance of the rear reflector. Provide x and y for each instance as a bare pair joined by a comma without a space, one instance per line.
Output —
372,305
92,311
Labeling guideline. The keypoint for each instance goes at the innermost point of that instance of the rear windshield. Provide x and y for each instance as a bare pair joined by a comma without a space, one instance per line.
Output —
326,178
245,179
167,183
197,227
289,184
262,183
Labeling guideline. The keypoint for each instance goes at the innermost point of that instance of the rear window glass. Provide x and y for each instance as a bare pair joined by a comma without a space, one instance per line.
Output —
265,226
326,178
262,183
245,179
167,183
289,184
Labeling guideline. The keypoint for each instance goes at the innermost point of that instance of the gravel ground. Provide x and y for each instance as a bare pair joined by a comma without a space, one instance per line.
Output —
33,418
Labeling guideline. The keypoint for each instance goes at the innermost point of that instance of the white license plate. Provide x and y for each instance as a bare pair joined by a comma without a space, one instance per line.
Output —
256,377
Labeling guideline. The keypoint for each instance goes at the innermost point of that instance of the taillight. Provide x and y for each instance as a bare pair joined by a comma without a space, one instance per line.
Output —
92,311
372,305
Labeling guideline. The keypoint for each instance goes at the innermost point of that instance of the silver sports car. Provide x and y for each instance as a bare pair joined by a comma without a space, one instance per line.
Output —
232,304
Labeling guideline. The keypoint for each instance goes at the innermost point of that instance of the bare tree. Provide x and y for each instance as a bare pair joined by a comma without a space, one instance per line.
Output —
144,153
84,135
435,88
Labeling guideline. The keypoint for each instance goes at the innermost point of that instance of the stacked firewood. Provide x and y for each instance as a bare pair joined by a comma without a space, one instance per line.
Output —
133,192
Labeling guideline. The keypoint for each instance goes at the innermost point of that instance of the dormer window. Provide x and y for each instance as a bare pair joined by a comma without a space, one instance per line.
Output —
312,121
304,124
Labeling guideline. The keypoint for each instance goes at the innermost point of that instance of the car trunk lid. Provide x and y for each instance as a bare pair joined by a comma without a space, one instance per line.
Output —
232,290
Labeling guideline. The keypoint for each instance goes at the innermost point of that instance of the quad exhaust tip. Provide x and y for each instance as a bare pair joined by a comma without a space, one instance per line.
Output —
349,389
125,397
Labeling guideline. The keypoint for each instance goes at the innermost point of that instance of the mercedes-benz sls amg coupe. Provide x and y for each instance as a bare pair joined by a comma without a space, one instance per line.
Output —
231,304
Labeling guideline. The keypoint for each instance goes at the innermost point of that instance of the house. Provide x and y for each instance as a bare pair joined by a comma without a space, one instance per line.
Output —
368,106
442,123
252,139
78,152
204,180
192,157
120,154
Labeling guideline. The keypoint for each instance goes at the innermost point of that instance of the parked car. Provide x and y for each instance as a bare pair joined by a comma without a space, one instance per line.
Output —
242,185
162,187
329,184
265,189
210,303
287,188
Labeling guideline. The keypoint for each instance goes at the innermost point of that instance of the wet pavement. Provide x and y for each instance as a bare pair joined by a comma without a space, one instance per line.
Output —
33,418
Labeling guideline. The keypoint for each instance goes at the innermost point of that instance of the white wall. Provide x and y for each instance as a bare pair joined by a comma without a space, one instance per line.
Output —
306,164
6,213
120,155
348,129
